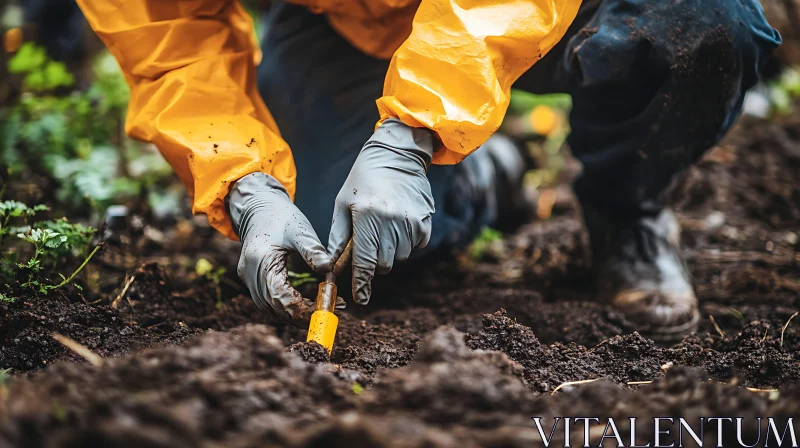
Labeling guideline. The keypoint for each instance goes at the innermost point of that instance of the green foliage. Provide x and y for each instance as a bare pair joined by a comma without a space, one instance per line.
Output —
44,241
296,279
482,245
357,388
94,177
5,298
77,139
48,242
203,268
522,101
784,89
44,238
41,74
15,209
547,152
109,84
29,57
78,237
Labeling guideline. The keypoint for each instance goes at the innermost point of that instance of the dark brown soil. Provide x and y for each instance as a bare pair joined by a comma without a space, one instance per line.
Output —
463,355
27,326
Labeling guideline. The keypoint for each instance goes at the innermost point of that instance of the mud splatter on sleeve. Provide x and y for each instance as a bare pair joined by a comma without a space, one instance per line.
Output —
191,70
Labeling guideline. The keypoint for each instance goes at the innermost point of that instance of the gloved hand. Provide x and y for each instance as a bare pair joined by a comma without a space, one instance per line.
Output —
271,227
385,204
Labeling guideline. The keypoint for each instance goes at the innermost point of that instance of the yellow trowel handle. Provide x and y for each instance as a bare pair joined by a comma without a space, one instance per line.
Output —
324,322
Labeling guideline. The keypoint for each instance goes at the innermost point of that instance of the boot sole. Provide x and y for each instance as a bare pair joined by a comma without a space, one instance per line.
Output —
675,333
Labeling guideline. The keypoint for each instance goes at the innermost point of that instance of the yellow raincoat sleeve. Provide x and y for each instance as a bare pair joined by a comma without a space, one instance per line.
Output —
454,73
191,69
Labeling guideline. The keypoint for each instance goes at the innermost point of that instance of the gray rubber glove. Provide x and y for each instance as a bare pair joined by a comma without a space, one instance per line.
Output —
271,227
385,204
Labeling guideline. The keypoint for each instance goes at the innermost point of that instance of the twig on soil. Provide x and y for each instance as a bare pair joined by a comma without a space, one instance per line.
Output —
786,325
122,293
754,389
637,383
716,327
766,332
79,349
739,257
572,383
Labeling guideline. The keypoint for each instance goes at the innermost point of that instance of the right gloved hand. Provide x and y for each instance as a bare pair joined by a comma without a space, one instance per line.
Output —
385,204
271,227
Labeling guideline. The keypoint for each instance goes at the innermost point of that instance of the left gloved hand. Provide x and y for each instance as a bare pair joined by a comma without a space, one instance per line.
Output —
271,228
385,204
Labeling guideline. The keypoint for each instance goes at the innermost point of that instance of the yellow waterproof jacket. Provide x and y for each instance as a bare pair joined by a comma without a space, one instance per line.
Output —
191,68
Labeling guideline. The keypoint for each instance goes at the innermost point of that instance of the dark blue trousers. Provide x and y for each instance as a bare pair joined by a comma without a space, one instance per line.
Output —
655,83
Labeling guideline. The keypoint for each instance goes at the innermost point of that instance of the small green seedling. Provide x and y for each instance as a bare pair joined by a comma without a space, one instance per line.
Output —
50,245
5,298
44,241
483,244
59,412
357,388
206,270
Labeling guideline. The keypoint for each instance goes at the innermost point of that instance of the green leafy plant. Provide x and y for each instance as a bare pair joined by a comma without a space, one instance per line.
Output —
15,209
522,101
48,242
547,150
76,137
485,242
78,236
43,240
206,270
783,90
5,298
40,72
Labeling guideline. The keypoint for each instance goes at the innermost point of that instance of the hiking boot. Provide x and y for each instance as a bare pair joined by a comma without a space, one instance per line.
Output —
641,271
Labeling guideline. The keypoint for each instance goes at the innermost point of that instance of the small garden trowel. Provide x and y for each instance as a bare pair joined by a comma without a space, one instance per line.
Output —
324,322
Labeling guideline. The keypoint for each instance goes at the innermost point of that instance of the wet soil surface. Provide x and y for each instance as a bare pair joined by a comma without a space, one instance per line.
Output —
463,355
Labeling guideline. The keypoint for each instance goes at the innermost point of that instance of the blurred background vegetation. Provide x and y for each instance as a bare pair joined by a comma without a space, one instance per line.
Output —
63,102
62,114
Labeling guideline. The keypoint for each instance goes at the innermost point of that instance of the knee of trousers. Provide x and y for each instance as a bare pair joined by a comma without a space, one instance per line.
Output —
652,51
657,83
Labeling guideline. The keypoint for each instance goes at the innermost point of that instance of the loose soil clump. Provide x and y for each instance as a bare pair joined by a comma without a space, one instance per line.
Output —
463,355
